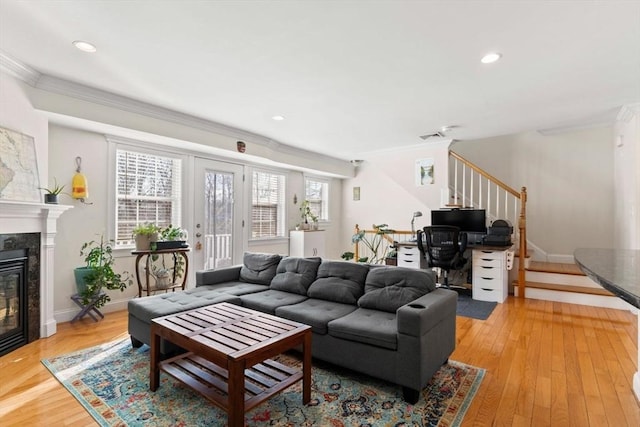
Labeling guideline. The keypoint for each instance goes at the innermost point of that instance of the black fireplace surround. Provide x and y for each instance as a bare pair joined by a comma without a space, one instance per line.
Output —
19,290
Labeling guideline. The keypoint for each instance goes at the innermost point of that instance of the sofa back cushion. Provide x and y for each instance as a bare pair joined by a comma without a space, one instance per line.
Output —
259,268
389,288
339,281
295,274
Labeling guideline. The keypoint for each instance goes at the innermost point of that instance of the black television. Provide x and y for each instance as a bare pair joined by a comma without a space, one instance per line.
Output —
468,220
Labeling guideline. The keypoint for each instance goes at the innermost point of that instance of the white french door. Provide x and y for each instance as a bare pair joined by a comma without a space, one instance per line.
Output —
217,239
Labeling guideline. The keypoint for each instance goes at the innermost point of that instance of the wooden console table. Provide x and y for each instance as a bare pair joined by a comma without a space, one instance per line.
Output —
147,285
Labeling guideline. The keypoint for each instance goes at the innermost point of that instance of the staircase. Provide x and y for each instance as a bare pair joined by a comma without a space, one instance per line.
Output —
565,283
470,186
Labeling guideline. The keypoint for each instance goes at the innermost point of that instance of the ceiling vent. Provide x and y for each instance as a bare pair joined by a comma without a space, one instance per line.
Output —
432,135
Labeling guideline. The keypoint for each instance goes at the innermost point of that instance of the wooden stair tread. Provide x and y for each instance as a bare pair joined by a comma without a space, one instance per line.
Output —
566,288
554,267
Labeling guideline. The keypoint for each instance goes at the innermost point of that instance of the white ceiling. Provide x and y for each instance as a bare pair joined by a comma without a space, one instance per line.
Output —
349,76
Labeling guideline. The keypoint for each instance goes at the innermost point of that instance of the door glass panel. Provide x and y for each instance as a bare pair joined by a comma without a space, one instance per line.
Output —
218,223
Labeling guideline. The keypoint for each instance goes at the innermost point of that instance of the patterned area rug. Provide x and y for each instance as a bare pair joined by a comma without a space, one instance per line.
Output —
111,381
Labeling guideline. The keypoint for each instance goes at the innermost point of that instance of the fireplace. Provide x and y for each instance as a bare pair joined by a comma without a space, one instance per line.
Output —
27,235
19,290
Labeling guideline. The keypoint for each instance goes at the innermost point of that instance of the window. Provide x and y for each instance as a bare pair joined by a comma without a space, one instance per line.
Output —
316,191
148,190
267,205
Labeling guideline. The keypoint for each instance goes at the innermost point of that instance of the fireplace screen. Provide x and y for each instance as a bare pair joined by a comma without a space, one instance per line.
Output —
13,273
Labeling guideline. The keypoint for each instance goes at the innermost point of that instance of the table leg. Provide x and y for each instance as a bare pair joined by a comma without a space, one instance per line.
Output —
154,360
235,408
306,368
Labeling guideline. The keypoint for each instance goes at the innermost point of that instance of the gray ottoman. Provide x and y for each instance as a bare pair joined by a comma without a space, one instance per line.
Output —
142,310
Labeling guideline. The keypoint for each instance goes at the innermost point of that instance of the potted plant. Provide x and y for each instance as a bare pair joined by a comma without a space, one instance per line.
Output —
144,235
373,244
307,215
51,195
171,238
98,273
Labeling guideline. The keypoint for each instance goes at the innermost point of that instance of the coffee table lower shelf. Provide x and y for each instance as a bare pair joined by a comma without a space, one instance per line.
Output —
262,380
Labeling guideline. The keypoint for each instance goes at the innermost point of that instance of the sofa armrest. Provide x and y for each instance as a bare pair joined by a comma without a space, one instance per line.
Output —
422,314
218,275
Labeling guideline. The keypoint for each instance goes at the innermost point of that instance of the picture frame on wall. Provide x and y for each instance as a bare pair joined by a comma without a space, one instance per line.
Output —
356,193
424,172
19,178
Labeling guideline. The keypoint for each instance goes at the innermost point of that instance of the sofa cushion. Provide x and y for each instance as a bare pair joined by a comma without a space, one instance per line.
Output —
233,288
269,300
259,268
315,313
389,288
339,281
295,274
154,306
373,327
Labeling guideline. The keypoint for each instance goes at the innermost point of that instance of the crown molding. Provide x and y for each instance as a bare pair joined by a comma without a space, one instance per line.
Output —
442,143
109,99
19,70
97,96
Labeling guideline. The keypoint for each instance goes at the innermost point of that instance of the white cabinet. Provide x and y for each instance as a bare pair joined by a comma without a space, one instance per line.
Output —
409,256
490,275
306,243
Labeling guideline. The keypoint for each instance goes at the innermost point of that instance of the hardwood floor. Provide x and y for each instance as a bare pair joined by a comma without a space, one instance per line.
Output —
547,363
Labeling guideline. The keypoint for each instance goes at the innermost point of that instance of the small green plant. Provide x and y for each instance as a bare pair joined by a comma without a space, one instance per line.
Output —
173,233
146,229
98,257
56,189
306,213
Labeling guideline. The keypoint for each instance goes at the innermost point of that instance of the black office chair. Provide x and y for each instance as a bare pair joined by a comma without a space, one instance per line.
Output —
445,246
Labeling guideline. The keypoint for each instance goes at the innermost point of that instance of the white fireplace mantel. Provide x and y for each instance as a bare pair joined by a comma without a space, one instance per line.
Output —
28,217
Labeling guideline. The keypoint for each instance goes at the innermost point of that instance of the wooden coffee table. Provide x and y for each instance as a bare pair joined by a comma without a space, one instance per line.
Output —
228,350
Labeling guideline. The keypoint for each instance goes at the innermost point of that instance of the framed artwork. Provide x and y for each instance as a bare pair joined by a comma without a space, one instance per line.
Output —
424,172
356,193
19,179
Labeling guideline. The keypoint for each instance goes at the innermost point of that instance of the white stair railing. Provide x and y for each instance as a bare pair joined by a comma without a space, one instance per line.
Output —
472,187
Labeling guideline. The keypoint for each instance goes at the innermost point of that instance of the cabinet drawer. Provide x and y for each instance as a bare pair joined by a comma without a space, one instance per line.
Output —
490,272
487,263
409,263
487,282
488,255
493,295
408,250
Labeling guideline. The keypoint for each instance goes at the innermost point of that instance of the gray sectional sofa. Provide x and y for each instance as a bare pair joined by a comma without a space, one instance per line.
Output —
388,322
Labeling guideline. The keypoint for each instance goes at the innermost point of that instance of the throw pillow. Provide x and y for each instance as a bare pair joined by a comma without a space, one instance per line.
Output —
259,268
339,281
389,288
295,274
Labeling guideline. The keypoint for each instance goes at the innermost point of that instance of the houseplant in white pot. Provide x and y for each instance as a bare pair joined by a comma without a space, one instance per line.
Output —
98,273
310,220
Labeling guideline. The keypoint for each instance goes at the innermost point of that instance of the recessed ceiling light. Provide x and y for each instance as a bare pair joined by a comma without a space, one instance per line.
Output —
491,57
278,118
84,46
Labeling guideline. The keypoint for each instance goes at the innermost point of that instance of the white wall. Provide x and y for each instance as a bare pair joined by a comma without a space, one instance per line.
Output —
569,180
388,192
333,227
86,222
626,145
17,113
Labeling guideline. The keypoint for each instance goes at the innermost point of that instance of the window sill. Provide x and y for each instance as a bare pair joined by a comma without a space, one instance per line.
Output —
269,240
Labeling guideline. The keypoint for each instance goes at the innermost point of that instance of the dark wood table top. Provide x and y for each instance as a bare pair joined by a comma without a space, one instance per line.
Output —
230,331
